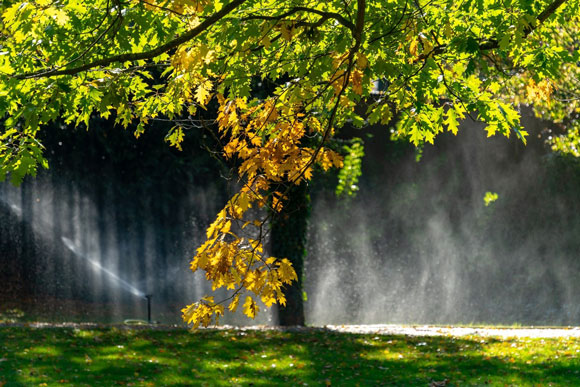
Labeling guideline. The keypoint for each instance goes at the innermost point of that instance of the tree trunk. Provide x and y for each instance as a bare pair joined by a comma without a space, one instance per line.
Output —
288,240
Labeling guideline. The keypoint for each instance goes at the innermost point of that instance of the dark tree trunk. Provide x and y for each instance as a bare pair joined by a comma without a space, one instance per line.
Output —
288,239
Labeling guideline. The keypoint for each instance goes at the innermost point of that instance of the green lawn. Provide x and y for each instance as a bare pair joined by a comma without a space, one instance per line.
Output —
112,357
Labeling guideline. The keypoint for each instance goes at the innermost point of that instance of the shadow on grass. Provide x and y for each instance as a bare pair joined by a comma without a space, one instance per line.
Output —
111,357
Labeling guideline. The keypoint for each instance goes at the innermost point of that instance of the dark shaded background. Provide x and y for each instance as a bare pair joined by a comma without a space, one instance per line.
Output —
417,245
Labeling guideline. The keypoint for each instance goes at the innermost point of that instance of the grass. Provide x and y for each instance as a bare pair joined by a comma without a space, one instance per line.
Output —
144,357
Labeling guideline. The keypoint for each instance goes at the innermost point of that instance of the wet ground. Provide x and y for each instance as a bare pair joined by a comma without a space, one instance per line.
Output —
379,329
427,330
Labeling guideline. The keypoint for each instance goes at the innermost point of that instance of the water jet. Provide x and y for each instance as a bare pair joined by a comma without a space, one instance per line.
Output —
97,265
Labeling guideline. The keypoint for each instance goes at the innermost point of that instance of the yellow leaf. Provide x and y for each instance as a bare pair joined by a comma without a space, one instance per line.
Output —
315,125
538,92
447,30
188,312
335,158
338,81
256,245
414,47
361,61
202,94
244,201
429,136
490,197
211,230
281,299
270,112
250,307
287,31
385,114
175,137
255,139
416,135
226,227
286,271
231,147
60,17
491,129
277,203
451,121
356,78
266,41
233,306
427,45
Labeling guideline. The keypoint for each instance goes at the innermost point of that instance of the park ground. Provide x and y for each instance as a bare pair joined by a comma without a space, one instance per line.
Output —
32,355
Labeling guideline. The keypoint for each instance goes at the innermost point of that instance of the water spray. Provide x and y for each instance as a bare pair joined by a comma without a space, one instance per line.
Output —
69,244
148,298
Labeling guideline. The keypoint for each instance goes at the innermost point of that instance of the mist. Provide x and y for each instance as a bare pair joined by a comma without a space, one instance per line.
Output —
89,238
418,245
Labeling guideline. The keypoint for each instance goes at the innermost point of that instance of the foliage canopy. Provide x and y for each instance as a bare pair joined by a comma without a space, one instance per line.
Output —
436,62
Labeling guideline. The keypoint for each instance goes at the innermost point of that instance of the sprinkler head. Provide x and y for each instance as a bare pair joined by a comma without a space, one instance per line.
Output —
148,298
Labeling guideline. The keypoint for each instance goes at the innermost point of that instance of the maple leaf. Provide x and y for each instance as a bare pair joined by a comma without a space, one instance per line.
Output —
356,78
416,135
361,61
451,121
386,114
429,136
244,201
287,31
286,271
175,137
250,307
202,94
491,129
413,48
233,306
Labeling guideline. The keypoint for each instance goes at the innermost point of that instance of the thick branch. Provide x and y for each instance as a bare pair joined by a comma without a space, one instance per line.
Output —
360,21
549,11
326,15
130,57
546,13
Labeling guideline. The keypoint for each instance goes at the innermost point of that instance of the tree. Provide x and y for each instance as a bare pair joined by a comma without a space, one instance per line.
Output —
141,60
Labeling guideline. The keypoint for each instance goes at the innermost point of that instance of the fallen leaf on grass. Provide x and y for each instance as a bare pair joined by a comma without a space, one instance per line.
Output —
439,384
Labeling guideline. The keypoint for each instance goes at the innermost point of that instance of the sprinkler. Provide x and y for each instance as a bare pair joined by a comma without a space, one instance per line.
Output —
148,297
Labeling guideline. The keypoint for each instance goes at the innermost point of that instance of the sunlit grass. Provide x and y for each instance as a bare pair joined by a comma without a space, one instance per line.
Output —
107,357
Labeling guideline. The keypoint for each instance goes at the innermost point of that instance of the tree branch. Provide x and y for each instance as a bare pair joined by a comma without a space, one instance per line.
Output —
360,22
546,13
130,57
550,10
326,15
493,43
357,34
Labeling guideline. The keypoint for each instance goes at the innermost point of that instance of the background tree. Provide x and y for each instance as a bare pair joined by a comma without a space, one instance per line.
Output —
138,60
